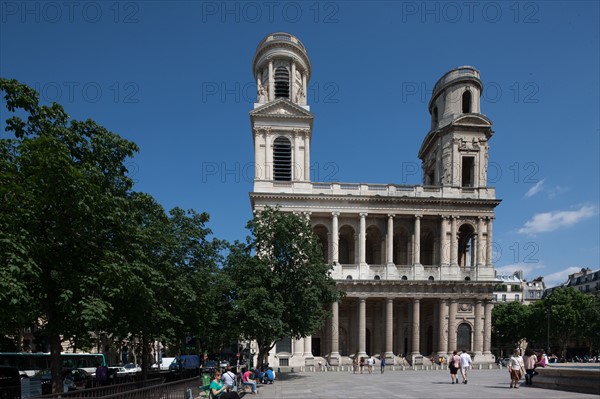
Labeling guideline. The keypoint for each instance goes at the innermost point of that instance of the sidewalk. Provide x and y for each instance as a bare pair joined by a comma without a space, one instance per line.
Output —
402,384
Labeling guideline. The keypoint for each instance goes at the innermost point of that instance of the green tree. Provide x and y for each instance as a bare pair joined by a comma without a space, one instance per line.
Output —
568,311
64,189
510,323
282,287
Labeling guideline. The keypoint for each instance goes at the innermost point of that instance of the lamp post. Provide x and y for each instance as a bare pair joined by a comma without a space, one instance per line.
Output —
548,333
252,353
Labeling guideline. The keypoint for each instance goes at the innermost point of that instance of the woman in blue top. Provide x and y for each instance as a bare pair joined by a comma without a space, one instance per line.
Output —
219,390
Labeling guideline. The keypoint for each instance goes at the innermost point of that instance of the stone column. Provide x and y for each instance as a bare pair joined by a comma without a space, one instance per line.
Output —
303,99
443,249
293,82
296,169
308,347
362,239
435,339
258,165
452,326
487,328
268,156
443,328
307,156
478,336
389,328
362,327
335,320
480,242
488,243
271,82
453,243
416,316
299,347
390,240
417,251
335,238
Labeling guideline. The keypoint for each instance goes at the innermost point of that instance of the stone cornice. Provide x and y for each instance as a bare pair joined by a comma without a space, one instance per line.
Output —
411,289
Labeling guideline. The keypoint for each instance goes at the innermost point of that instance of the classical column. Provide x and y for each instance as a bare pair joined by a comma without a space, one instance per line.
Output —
416,315
488,243
293,82
452,326
487,328
453,243
435,339
303,100
390,240
362,239
258,173
308,346
443,252
307,155
268,156
362,326
335,238
271,82
478,336
480,242
389,328
299,347
335,320
296,169
417,252
443,327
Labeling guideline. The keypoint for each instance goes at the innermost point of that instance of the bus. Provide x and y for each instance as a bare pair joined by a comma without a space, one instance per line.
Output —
31,363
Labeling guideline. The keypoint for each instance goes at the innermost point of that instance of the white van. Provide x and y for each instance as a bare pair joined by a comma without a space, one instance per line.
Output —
164,365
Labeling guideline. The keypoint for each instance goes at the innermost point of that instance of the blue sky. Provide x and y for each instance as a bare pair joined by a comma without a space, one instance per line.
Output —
175,77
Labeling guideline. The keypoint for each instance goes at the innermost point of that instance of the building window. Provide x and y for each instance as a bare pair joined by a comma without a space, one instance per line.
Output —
466,102
284,345
377,277
503,297
284,362
495,297
348,277
531,293
467,172
466,255
517,298
282,82
282,159
434,118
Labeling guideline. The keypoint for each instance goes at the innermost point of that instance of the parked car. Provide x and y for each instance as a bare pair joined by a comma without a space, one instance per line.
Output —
164,364
224,364
504,361
210,366
188,362
73,379
132,368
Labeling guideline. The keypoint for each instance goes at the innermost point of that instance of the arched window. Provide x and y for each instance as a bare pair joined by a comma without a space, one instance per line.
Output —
466,255
321,233
282,159
466,102
377,277
431,278
463,337
282,82
348,277
284,345
434,118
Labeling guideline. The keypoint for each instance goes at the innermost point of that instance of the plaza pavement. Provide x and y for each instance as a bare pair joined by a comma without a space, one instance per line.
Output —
487,384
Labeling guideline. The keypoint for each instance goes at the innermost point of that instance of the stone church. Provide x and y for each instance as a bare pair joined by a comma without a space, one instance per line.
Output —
415,262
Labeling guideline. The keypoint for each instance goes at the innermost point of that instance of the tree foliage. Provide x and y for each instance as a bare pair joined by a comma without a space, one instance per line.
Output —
281,285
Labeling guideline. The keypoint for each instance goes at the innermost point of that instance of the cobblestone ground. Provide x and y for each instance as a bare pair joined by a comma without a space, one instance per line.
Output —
403,384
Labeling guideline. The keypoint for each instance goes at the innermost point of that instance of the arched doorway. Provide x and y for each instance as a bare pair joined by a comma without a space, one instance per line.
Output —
463,337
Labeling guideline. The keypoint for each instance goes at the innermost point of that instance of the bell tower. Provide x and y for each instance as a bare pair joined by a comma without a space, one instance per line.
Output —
281,119
455,151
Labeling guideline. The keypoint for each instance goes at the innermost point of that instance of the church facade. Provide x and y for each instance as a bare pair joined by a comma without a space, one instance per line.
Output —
415,262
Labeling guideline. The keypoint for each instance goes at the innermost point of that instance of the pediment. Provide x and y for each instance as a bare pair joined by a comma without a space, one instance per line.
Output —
281,107
472,120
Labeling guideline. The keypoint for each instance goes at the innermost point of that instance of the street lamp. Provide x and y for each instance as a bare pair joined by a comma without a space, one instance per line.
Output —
252,353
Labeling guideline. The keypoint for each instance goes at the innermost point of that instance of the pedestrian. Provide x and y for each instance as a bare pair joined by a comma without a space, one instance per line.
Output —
516,368
453,366
382,363
465,364
362,364
355,364
530,360
370,363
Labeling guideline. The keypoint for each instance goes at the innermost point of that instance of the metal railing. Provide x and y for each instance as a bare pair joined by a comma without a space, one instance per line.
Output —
108,390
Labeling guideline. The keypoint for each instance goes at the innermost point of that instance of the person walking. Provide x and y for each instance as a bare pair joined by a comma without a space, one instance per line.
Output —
465,364
529,360
453,366
516,368
362,364
382,364
355,363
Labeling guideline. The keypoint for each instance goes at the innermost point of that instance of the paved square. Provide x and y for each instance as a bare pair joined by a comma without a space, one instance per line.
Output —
403,384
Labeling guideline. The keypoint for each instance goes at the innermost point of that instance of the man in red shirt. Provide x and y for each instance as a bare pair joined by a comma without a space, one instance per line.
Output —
247,381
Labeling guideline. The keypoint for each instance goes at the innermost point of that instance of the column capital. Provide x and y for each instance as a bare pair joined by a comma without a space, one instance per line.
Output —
391,215
455,217
335,213
444,217
490,218
418,216
363,214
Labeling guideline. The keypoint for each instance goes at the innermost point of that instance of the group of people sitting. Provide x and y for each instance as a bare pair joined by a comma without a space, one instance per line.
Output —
223,385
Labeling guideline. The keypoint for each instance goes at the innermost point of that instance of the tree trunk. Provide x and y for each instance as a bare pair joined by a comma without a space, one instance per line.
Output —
56,363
